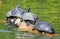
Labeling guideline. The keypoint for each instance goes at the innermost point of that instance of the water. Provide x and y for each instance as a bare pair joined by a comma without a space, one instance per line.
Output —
14,34
27,35
23,35
4,31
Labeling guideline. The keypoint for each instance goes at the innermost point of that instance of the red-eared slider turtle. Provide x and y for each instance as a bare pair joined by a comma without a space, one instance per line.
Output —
44,27
11,17
16,12
29,17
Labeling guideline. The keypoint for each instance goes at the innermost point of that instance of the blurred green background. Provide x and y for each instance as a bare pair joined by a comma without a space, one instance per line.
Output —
46,10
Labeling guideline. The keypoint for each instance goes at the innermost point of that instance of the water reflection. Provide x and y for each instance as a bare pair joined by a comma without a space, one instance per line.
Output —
27,35
14,34
24,35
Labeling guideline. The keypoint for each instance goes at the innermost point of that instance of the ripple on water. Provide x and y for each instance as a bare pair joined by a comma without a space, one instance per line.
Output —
27,35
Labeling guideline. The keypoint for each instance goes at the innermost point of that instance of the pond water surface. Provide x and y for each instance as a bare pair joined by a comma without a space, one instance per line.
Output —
23,35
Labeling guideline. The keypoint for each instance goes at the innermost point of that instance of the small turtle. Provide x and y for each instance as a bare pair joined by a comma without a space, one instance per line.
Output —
44,27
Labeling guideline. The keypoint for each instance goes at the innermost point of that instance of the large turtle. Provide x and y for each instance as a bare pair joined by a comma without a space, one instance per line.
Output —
17,12
12,15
